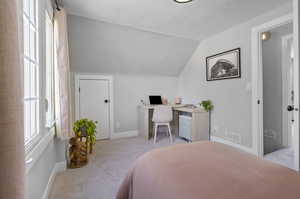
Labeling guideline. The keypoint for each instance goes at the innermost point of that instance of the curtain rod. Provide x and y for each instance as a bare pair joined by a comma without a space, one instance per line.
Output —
57,5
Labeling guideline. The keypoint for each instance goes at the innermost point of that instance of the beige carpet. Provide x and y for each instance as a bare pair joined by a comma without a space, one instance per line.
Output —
108,166
284,157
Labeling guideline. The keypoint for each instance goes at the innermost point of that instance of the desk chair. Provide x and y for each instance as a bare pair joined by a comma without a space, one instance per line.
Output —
162,116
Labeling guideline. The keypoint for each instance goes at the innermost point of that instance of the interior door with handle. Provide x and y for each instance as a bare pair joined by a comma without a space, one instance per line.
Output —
94,104
293,102
294,109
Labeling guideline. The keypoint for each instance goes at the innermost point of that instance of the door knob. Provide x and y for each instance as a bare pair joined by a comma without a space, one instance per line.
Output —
290,108
106,101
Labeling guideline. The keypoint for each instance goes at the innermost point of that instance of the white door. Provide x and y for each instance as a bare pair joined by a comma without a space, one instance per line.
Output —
94,104
295,127
293,99
293,102
291,95
288,91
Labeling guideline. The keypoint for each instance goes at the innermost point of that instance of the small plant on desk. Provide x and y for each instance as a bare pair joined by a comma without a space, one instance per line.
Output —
207,105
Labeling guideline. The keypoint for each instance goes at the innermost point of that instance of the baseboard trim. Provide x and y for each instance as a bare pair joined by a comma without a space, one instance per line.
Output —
125,134
58,167
235,145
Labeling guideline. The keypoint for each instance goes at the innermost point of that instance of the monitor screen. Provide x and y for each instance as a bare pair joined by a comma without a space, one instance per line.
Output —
155,100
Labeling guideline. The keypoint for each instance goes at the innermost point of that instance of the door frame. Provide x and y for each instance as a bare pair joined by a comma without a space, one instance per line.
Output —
110,80
257,79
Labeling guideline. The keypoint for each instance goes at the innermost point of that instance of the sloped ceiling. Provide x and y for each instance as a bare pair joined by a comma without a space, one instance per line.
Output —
196,20
100,47
149,36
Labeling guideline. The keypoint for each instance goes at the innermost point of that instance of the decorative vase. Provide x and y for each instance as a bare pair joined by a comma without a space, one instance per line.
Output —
78,153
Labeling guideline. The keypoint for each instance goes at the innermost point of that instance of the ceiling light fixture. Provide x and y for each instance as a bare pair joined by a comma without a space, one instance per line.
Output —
183,1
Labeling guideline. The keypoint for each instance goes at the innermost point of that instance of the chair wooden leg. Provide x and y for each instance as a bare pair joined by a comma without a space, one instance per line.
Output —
155,133
170,133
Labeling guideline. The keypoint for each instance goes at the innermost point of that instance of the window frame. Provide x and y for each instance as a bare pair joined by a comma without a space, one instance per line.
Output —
31,55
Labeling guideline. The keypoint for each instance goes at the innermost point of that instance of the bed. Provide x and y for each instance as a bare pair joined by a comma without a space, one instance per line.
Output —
207,170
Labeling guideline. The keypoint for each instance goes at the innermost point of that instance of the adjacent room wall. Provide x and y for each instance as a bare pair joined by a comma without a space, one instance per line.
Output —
231,118
273,88
38,176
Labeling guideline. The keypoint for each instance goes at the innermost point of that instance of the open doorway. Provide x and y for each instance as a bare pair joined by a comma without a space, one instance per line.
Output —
278,94
275,92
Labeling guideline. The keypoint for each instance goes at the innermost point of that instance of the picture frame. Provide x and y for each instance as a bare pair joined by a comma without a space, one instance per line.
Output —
225,65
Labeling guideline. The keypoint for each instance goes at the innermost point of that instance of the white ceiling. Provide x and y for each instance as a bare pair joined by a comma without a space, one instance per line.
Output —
195,20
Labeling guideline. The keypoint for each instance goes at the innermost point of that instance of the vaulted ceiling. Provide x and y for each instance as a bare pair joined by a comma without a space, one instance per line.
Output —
155,37
195,20
100,47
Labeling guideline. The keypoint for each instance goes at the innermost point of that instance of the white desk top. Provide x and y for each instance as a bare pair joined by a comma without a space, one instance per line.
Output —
179,107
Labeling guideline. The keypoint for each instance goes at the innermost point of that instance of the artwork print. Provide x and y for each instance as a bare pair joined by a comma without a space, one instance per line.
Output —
226,65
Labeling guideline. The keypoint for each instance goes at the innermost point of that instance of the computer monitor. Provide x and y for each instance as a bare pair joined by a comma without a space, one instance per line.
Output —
155,100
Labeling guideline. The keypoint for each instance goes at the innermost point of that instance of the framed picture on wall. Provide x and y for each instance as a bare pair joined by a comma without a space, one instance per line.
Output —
225,65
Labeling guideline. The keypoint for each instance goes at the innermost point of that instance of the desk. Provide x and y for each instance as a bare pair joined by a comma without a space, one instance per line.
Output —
200,121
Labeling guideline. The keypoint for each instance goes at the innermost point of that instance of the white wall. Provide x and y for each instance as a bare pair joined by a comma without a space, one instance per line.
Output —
129,90
273,88
231,118
38,176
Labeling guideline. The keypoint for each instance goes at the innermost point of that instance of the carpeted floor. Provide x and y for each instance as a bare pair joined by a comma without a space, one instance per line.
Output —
284,157
107,167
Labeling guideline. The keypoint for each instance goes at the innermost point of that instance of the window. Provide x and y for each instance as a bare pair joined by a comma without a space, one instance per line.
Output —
50,117
31,72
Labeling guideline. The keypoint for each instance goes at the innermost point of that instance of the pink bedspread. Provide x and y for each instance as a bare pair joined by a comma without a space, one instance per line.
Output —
207,170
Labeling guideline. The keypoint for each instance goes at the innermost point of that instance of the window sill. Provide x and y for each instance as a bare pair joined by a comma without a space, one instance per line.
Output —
33,156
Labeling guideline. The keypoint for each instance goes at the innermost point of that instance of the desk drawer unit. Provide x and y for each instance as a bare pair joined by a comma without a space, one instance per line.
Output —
185,127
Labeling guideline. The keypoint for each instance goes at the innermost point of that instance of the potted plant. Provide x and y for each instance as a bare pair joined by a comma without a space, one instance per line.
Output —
86,128
208,106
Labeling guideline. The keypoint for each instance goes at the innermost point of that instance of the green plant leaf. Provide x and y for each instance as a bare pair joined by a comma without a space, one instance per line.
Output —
207,105
89,125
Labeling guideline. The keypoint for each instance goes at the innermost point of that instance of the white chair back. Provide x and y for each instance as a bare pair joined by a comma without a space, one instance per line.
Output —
162,114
